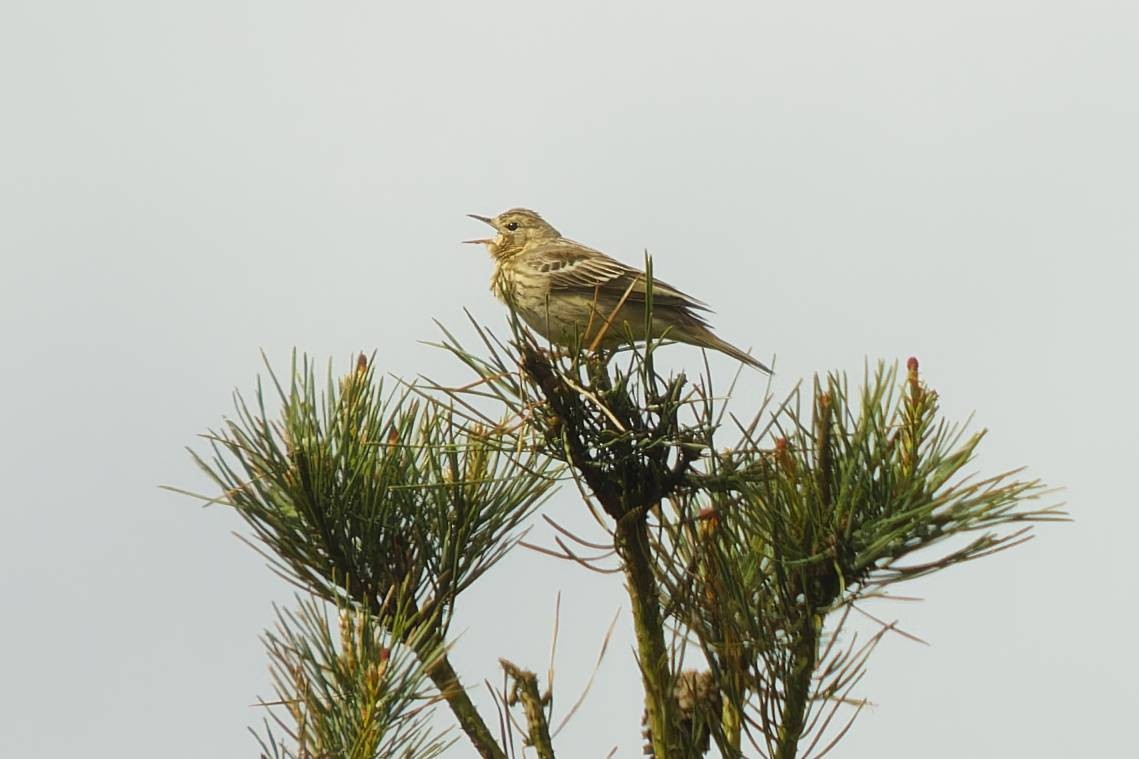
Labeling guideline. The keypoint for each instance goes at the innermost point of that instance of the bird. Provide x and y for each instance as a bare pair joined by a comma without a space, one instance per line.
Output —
572,294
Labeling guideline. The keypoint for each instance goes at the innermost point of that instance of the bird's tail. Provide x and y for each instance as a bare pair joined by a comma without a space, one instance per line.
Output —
709,340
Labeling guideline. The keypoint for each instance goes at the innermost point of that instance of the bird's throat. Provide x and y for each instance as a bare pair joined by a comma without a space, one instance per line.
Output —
503,251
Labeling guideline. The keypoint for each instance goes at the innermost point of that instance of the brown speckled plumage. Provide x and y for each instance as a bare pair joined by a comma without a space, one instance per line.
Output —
564,289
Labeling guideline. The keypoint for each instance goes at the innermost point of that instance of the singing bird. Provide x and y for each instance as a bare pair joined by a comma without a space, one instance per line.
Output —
565,290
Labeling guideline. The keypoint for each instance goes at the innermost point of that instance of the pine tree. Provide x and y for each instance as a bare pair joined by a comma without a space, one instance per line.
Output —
747,542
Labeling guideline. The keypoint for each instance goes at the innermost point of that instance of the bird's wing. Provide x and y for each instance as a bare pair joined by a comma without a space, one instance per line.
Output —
571,266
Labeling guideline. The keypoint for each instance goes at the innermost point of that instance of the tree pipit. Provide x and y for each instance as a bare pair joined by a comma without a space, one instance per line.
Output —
566,291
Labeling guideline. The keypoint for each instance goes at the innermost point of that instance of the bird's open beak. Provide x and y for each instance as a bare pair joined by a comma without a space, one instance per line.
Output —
484,220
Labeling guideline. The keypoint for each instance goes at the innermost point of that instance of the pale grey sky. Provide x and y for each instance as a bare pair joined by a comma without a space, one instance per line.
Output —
184,184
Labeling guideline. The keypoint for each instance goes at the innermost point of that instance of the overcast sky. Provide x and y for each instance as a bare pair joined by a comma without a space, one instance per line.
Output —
185,184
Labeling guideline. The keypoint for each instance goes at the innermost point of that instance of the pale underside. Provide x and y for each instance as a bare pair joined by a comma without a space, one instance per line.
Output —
569,294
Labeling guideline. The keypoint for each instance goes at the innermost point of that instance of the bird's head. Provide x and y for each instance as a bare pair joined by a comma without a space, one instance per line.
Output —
517,229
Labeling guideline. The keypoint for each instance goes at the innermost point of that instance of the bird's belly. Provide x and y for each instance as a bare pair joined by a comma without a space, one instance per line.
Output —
560,318
568,319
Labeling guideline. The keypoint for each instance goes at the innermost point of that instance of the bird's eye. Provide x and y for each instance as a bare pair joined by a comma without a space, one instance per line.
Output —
513,225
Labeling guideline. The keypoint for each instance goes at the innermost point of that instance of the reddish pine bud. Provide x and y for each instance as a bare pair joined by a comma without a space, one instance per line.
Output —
912,363
361,363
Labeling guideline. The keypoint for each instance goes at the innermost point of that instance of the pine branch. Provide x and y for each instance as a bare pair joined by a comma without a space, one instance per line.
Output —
637,559
468,717
525,690
380,503
822,517
349,688
804,650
